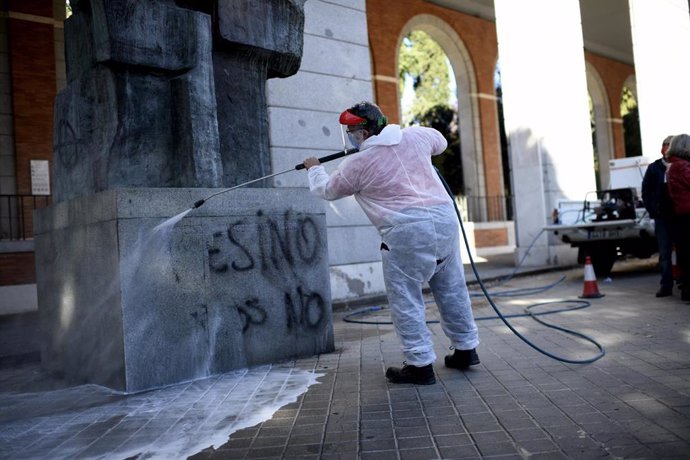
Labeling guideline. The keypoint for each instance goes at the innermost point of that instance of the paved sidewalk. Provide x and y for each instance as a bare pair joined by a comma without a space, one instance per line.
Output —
518,403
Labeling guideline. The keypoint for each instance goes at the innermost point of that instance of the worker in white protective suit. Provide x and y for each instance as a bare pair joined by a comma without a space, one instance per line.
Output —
396,185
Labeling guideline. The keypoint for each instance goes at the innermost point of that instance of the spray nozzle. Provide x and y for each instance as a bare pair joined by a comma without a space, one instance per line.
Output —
198,203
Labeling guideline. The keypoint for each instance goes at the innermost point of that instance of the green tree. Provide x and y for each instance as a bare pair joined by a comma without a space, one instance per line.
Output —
425,62
631,124
444,119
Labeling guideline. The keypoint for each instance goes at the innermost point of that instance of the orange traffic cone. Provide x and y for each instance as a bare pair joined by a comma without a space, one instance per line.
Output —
590,289
675,269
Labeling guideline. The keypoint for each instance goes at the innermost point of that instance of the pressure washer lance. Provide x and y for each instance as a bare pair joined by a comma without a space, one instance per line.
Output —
326,159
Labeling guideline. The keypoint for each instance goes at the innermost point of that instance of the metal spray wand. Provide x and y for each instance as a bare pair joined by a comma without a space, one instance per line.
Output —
327,158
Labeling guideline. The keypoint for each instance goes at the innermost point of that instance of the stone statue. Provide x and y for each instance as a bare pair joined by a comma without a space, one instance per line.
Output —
165,103
156,99
255,40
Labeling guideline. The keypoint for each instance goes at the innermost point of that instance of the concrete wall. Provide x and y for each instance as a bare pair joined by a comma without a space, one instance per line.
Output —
303,116
131,304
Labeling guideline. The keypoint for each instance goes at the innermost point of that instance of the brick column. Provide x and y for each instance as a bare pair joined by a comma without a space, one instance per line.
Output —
32,71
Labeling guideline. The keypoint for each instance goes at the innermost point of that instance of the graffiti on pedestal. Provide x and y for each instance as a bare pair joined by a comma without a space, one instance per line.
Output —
278,248
252,313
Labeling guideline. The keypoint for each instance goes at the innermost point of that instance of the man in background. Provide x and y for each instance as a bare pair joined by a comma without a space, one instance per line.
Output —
660,208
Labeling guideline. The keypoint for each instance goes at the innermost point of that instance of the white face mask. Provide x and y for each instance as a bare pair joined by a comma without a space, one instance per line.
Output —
356,137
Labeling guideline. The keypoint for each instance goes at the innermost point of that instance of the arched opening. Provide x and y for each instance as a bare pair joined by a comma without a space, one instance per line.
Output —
595,144
602,136
429,98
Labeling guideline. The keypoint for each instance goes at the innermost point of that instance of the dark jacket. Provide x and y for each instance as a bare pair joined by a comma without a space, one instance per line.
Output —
655,194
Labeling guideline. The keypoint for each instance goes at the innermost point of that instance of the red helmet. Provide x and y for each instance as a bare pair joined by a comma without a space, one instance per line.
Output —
364,114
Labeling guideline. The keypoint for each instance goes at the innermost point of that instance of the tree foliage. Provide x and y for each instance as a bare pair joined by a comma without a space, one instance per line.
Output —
425,62
444,119
631,133
631,124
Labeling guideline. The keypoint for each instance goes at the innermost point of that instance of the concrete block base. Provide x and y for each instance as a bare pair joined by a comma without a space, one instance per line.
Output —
131,304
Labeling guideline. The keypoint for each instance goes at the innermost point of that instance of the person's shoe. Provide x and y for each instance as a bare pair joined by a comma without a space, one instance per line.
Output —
664,292
462,359
412,374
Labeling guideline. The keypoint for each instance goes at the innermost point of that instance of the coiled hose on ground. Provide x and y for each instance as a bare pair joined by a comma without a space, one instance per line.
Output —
577,304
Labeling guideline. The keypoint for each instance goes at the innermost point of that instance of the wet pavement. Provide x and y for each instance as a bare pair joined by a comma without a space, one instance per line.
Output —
518,403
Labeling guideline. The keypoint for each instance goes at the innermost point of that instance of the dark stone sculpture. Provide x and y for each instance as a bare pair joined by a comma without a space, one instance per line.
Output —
165,100
160,95
255,40
139,107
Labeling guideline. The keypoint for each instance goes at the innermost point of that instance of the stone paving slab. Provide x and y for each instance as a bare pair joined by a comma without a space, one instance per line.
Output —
518,403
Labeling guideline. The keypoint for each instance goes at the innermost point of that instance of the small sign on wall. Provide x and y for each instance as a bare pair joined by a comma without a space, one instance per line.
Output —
40,177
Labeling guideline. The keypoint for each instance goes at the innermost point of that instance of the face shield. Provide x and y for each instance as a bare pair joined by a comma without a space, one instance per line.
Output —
354,134
352,126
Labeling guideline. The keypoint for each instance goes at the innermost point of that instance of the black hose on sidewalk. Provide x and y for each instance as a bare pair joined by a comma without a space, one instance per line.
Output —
579,304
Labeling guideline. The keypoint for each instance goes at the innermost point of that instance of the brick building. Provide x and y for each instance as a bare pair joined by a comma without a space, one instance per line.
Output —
350,54
31,72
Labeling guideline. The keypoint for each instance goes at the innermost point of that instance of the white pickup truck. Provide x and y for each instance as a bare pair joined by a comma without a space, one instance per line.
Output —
609,223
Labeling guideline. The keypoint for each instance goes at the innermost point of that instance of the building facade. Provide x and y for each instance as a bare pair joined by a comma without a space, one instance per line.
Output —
553,60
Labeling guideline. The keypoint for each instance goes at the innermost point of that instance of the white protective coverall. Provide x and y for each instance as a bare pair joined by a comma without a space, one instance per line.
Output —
394,182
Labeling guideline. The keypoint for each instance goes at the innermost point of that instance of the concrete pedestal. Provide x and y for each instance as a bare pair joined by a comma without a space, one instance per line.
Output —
242,280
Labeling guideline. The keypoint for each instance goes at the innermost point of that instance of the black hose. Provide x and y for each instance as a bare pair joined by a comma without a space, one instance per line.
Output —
580,303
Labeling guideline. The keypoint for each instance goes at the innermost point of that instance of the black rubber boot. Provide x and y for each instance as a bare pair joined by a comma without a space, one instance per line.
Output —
685,294
664,292
462,359
412,374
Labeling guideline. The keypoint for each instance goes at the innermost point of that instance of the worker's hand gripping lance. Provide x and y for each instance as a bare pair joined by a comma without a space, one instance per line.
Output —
325,159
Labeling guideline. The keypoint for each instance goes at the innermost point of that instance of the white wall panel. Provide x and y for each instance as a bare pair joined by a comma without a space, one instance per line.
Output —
303,116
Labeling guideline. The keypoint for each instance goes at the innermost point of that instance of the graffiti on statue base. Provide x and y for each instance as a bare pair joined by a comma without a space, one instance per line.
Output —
271,244
281,249
251,313
304,309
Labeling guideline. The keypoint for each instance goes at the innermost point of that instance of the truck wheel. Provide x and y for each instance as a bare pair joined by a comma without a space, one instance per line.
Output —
603,258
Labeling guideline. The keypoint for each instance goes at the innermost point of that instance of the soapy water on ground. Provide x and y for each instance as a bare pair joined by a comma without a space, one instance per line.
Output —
177,421
173,422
